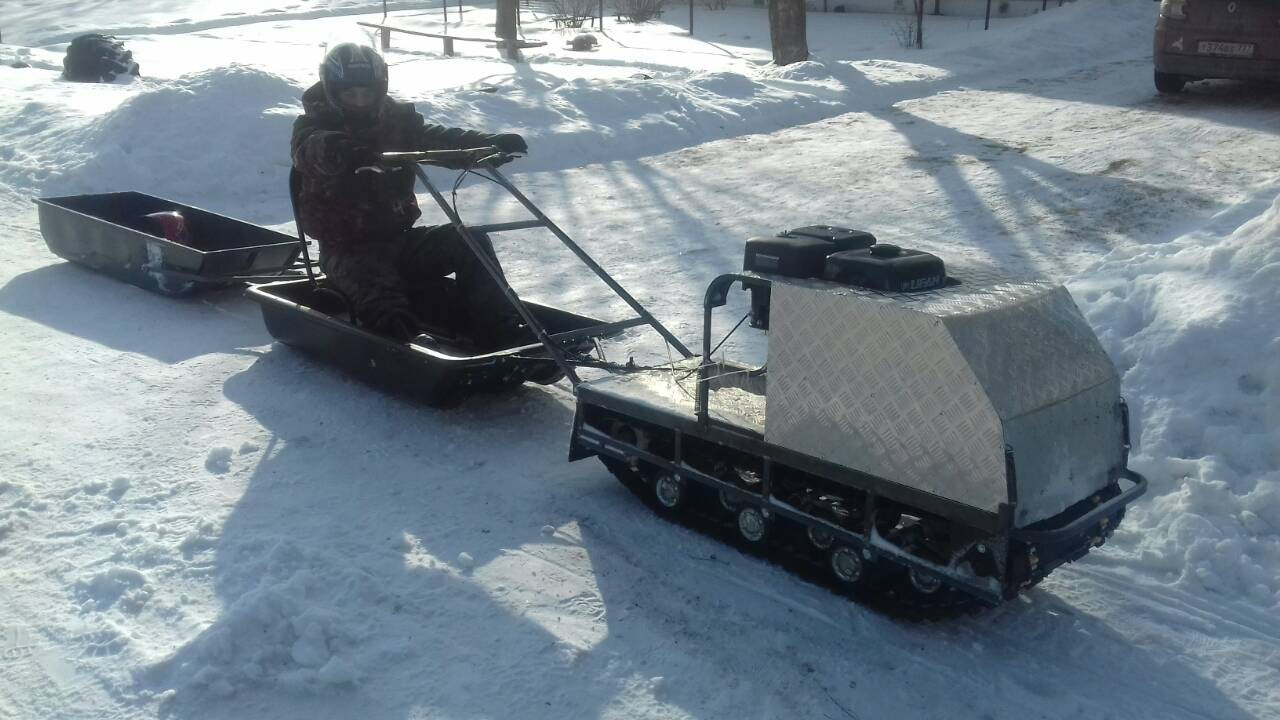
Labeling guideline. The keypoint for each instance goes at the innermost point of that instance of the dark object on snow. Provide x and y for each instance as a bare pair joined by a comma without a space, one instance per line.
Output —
888,268
97,58
583,42
641,76
19,65
117,234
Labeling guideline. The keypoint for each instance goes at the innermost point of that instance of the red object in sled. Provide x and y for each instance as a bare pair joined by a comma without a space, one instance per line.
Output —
172,226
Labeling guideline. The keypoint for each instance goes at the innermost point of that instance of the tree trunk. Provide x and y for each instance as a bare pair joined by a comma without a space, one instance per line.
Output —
505,27
920,24
787,31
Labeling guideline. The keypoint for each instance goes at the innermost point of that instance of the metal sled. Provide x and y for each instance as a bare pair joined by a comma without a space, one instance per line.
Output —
110,233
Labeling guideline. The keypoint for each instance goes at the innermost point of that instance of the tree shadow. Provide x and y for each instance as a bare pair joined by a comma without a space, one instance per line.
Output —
1046,203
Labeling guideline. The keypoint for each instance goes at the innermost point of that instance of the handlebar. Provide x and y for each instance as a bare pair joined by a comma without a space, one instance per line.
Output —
465,158
470,156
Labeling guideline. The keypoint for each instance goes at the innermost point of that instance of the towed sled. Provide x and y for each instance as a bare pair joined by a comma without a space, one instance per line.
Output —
122,235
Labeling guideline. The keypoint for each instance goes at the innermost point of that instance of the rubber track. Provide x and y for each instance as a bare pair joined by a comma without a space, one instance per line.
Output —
885,589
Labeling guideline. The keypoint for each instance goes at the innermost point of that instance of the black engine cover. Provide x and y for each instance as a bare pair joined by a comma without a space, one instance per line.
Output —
798,256
887,267
843,238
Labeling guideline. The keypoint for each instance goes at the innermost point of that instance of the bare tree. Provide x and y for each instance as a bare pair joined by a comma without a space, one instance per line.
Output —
908,29
920,23
638,11
787,31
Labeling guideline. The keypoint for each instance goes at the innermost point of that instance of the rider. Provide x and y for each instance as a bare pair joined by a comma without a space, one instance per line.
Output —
369,249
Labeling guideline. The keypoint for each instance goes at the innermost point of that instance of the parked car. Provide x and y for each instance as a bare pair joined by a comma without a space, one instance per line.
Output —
1201,39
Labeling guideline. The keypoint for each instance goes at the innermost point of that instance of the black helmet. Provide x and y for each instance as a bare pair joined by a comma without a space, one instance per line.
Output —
349,65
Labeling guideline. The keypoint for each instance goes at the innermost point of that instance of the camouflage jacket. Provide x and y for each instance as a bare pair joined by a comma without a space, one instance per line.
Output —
337,206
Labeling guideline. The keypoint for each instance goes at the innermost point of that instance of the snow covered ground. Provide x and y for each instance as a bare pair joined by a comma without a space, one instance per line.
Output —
195,522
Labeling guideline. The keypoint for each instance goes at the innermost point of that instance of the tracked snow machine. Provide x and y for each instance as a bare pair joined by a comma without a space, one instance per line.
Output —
925,435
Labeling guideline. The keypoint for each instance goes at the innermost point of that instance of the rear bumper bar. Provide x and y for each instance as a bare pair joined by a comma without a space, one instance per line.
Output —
1085,522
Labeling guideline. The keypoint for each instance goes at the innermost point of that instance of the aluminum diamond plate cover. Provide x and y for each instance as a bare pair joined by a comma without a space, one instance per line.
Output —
884,389
1029,352
1056,391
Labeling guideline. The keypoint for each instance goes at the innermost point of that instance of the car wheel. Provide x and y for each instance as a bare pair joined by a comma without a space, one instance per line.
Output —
1167,83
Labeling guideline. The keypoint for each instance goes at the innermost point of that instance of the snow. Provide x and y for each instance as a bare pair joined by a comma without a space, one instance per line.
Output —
195,522
1193,320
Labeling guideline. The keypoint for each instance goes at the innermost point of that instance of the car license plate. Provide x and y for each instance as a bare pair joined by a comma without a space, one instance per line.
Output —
1207,47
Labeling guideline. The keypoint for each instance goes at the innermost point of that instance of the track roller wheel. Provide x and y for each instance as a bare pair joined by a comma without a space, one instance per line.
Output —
753,525
846,564
924,582
670,491
821,538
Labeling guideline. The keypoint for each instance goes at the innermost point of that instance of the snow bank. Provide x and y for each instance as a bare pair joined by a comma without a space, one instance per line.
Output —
1194,327
220,135
223,133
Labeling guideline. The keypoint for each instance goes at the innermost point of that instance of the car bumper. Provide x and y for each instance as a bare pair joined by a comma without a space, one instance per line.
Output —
1174,54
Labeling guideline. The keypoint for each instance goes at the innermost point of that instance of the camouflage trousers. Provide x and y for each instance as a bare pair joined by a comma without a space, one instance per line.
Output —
408,273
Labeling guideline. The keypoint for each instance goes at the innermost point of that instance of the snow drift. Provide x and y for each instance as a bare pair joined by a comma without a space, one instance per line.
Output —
1193,325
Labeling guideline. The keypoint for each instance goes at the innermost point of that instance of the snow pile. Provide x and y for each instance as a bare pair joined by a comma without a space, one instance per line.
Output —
218,460
288,631
167,138
175,140
575,121
1193,324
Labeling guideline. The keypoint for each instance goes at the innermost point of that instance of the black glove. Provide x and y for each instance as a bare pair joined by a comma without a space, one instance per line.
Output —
510,143
344,152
